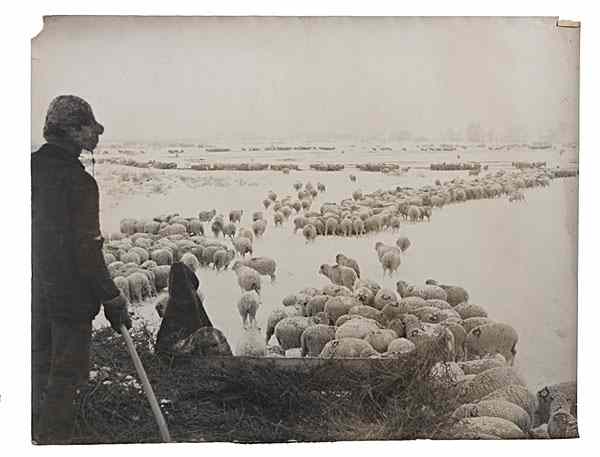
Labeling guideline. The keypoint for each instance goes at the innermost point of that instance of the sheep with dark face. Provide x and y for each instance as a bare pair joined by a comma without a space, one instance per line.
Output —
235,215
364,295
403,243
229,230
278,218
259,227
242,245
339,274
217,227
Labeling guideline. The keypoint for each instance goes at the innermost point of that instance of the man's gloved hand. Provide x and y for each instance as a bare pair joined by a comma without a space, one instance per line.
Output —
116,312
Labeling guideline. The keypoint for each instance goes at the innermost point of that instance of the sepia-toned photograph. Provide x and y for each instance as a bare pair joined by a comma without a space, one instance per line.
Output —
304,229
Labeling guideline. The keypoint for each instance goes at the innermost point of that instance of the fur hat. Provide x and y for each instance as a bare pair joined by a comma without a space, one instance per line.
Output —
69,111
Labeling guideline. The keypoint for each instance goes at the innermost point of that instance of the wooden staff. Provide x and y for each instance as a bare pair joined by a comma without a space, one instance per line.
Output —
158,416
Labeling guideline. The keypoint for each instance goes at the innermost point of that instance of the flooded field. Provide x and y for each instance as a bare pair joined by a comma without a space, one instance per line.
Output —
517,260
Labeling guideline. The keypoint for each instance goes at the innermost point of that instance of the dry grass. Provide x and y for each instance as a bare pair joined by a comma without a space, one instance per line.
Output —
247,403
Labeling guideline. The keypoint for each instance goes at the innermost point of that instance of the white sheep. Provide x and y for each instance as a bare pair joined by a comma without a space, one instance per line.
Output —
381,248
316,304
344,261
467,310
278,314
314,339
401,346
490,339
364,295
248,279
247,305
517,394
123,286
488,381
334,290
473,322
385,297
288,331
390,261
356,328
190,261
264,265
347,348
340,275
246,233
222,258
251,343
495,408
368,312
338,306
485,427
380,339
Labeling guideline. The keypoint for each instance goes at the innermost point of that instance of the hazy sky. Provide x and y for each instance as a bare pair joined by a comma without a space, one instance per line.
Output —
219,78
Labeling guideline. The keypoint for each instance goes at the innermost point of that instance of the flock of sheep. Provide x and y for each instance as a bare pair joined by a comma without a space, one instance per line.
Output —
354,316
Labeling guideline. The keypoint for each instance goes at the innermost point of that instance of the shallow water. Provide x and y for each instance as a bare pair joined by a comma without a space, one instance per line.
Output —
517,260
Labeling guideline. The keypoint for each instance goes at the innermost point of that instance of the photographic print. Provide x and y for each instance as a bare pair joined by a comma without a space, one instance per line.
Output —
275,229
